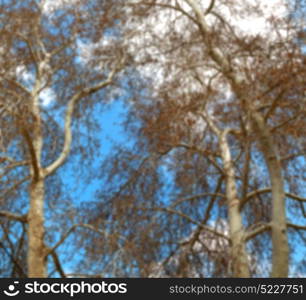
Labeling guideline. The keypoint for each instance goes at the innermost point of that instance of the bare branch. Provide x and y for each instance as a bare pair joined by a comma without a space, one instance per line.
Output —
14,217
210,7
14,261
285,122
198,196
291,156
181,214
12,188
69,231
57,264
296,227
258,229
163,5
268,190
210,123
274,104
35,164
11,166
18,85
208,155
68,119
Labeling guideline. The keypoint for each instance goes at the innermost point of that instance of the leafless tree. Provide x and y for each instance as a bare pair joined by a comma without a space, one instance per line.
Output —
45,69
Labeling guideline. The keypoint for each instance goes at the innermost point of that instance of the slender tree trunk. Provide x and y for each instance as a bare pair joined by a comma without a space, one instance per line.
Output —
280,247
36,250
238,253
36,231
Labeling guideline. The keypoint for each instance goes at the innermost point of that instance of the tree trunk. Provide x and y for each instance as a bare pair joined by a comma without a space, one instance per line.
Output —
239,257
34,139
280,247
36,250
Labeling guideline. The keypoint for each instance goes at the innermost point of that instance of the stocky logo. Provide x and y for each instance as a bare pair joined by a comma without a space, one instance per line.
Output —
11,290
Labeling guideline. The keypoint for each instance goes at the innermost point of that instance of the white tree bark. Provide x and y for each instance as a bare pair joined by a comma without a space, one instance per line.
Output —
280,247
240,265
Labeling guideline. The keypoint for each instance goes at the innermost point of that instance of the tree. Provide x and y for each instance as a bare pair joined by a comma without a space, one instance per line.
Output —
211,180
43,70
219,91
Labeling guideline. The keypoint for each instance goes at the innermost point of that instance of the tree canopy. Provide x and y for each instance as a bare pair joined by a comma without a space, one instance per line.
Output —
211,182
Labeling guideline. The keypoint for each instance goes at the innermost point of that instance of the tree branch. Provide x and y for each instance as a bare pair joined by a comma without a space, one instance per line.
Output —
14,186
14,217
210,7
57,264
194,197
179,213
296,226
68,119
177,8
69,231
259,228
35,164
13,165
268,190
291,156
14,260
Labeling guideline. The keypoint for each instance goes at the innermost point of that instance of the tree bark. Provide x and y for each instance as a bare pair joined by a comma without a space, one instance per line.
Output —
280,247
36,250
36,228
239,257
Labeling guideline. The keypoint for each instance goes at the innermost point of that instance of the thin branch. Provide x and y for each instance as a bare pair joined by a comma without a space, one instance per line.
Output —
6,158
274,104
295,197
32,152
11,166
196,149
210,205
210,123
285,122
18,85
296,226
69,231
14,186
259,228
208,154
210,7
14,260
181,214
177,8
32,52
68,119
291,156
13,253
57,264
14,217
198,196
302,209
246,170
268,190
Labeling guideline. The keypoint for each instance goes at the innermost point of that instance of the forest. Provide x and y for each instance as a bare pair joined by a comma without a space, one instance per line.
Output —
152,138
